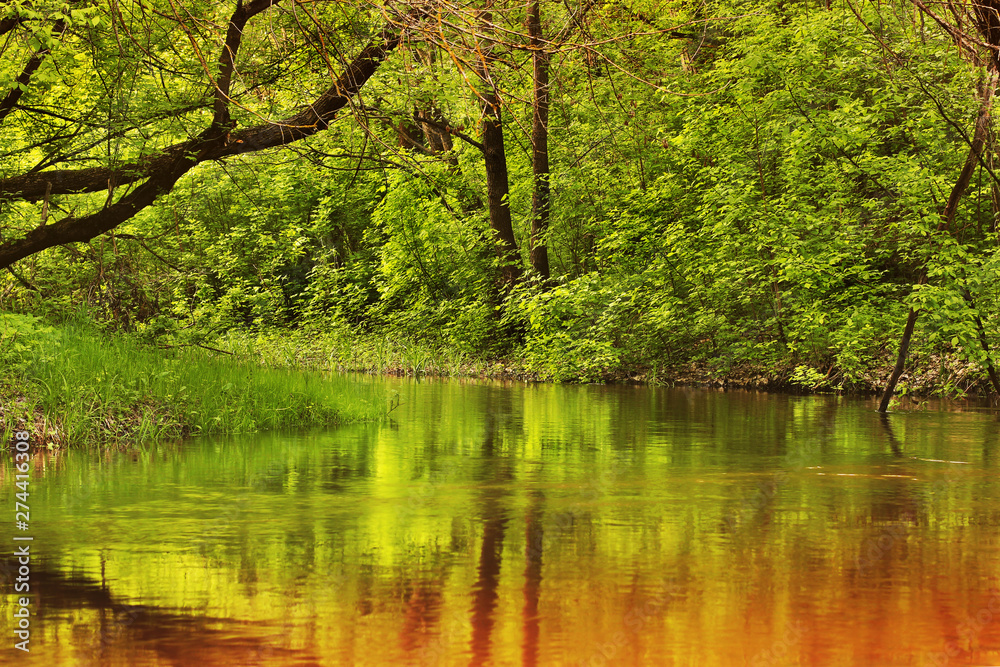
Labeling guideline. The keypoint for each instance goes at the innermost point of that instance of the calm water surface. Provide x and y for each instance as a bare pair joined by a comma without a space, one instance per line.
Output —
530,525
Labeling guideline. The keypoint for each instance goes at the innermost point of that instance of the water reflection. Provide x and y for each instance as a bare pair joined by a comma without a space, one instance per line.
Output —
534,547
491,524
104,630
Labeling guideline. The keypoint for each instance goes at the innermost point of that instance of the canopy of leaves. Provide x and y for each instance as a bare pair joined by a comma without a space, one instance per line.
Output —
732,183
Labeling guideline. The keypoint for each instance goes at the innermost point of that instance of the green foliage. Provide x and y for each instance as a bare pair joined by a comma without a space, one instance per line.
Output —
809,378
764,193
21,337
93,388
570,330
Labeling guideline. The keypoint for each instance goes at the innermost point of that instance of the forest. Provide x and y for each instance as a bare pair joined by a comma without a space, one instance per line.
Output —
743,193
520,332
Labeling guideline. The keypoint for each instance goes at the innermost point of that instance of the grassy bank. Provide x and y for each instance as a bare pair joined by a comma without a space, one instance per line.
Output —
930,373
341,350
71,385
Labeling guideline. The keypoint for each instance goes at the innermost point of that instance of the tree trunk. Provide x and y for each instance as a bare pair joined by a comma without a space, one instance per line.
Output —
983,342
947,217
540,201
498,192
904,347
497,185
438,140
20,84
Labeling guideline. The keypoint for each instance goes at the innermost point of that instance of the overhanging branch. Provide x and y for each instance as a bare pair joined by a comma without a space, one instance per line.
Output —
162,170
10,100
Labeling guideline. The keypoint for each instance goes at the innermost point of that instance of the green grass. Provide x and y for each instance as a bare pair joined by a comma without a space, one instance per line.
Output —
73,385
340,350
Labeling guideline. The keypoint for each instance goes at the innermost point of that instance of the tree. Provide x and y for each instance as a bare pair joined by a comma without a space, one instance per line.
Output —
985,16
147,43
541,198
495,157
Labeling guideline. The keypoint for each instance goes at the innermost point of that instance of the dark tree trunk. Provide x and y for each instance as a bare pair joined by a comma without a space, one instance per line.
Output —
487,587
498,191
983,342
541,198
904,347
497,183
972,161
438,139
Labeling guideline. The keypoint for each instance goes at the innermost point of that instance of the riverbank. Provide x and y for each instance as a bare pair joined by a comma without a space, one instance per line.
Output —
928,374
71,385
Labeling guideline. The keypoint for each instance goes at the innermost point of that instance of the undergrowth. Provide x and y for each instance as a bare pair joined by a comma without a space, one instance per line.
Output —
72,384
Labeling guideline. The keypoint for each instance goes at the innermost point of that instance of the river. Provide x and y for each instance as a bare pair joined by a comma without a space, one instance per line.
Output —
511,524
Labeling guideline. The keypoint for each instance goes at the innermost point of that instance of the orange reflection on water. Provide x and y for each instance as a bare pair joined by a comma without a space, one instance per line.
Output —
536,526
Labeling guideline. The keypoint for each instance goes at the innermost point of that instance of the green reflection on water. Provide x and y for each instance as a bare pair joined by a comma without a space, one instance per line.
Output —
493,524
